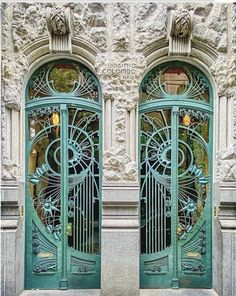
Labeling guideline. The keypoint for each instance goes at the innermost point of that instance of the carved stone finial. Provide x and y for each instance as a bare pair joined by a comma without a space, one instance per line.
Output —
179,30
59,24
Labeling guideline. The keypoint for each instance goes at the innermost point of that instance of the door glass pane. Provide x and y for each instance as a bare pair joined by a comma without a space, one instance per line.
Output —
45,168
175,81
62,78
155,180
83,180
193,168
183,82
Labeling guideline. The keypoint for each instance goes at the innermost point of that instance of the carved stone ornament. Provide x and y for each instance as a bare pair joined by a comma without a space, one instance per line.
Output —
59,24
179,31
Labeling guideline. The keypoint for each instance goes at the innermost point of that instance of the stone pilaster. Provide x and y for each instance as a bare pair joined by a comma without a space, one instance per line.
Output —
227,219
120,240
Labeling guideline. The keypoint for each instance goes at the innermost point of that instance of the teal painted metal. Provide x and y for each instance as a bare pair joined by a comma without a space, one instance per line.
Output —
175,178
63,161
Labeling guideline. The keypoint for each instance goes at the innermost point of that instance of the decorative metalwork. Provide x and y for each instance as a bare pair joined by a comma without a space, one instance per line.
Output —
83,178
195,87
77,81
202,116
175,181
155,181
64,177
159,266
80,266
43,111
44,253
193,253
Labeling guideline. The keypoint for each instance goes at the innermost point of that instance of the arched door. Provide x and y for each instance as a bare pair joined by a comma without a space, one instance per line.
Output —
63,173
175,117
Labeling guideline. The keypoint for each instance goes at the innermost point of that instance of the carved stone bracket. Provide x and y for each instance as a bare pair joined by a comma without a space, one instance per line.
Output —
59,24
179,31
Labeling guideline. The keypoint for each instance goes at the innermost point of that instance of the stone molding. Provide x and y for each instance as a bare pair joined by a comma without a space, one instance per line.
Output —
179,31
200,53
60,26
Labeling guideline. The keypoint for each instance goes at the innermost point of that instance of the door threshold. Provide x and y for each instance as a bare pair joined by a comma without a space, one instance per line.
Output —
178,292
83,292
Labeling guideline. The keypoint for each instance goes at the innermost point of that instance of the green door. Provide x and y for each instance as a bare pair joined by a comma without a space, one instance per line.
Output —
175,178
63,120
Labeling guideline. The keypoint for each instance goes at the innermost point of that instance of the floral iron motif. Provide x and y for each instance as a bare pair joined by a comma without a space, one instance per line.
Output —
193,253
44,253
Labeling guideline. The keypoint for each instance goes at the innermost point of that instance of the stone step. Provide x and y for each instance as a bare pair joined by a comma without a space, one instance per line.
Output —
143,292
178,292
87,292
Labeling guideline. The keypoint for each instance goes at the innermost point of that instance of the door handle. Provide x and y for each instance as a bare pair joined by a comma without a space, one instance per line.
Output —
69,229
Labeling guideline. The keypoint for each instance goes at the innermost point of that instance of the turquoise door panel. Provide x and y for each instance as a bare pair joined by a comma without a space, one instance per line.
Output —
175,178
63,174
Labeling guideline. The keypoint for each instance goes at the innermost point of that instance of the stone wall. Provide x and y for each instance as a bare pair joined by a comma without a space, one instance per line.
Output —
110,36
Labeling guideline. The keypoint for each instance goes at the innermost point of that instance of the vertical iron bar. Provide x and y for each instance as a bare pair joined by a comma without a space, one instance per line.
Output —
74,221
161,218
146,201
158,210
164,218
77,219
174,192
87,197
155,221
93,180
64,195
149,210
80,217
89,220
84,188
152,216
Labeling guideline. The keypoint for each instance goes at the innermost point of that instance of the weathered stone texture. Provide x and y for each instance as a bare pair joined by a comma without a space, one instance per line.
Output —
121,27
13,75
210,25
234,27
226,168
28,23
224,72
149,23
90,23
124,90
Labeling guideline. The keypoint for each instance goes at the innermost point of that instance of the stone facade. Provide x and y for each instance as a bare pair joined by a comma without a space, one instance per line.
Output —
107,37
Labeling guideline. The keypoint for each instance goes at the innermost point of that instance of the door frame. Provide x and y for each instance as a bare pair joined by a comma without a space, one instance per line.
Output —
172,103
67,101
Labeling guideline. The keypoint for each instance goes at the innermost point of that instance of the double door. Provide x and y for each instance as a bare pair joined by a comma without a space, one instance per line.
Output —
175,197
63,197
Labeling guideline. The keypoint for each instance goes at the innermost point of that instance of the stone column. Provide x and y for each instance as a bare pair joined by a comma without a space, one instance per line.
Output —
227,219
120,240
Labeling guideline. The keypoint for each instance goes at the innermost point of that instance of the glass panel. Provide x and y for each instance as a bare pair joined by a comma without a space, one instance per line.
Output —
155,181
83,180
63,77
193,168
183,82
44,168
175,81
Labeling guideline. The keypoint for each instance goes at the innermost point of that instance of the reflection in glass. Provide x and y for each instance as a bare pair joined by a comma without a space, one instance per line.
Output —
63,77
182,81
83,180
193,170
155,179
44,171
175,81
